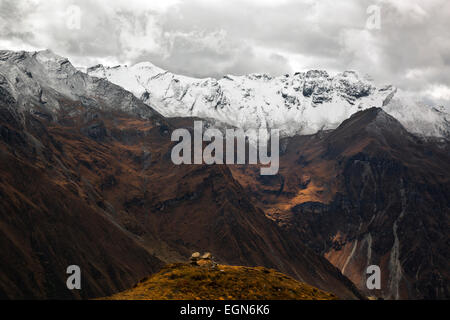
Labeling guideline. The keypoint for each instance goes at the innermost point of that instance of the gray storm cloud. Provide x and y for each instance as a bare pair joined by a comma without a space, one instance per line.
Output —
411,49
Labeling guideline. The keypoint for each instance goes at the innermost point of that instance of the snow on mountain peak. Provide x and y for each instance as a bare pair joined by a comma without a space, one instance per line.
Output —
299,103
44,83
49,57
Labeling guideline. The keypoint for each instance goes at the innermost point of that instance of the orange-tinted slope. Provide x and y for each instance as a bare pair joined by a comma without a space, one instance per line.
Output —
186,282
98,189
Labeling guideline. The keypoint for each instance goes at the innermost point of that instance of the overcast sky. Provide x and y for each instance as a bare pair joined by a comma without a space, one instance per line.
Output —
409,46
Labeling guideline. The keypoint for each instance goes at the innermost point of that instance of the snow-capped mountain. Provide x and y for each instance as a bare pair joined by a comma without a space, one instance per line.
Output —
302,103
46,83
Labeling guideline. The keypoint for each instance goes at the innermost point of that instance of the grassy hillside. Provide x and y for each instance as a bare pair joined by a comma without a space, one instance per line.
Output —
187,282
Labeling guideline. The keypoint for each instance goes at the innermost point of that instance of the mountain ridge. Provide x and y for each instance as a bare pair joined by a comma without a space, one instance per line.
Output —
368,192
299,103
103,155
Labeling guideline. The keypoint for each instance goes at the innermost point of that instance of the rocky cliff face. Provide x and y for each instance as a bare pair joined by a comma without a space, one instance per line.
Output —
300,103
366,193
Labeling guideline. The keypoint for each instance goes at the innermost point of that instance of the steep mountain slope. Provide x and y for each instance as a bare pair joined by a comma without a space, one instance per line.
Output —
50,219
86,179
303,103
366,193
185,282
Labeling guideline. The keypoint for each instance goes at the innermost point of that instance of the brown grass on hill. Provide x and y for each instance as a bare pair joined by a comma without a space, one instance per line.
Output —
186,282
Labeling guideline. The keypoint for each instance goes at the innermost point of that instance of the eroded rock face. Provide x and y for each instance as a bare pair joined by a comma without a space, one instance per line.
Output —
375,195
